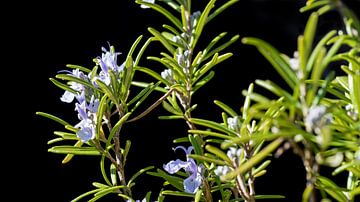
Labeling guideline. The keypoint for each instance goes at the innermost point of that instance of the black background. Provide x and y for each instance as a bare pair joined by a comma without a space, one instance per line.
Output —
48,35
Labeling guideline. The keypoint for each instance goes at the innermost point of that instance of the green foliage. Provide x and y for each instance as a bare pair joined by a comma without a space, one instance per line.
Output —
317,115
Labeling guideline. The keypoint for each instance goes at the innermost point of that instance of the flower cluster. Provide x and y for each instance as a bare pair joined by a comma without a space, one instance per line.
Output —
234,155
87,102
317,118
193,182
108,62
234,123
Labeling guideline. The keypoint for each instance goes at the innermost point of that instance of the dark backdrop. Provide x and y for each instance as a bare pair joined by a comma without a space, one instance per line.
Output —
51,34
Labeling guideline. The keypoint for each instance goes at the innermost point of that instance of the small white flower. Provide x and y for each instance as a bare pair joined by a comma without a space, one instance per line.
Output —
168,75
294,62
222,170
351,111
233,153
234,123
148,1
295,65
317,117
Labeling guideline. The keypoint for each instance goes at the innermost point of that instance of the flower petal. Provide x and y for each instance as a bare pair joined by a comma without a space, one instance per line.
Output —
187,151
174,166
192,183
86,134
67,97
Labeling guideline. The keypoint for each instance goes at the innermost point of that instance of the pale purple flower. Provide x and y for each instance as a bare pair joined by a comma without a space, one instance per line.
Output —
86,133
108,61
68,97
87,116
193,182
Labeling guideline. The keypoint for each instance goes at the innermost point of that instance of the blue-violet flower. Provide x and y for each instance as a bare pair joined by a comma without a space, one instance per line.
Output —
193,182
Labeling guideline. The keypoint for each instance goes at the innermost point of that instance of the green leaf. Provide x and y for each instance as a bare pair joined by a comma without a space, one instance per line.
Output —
271,86
309,33
176,193
218,153
331,188
210,133
213,125
209,47
171,109
355,192
261,167
74,150
322,90
174,65
333,50
62,86
76,80
207,159
81,68
52,117
133,47
116,128
126,79
171,29
315,53
226,108
274,57
85,194
100,114
145,85
176,182
222,47
163,11
255,137
126,151
261,197
99,185
314,4
162,39
203,81
214,61
256,97
195,142
202,21
221,9
68,157
181,140
107,91
142,50
55,140
198,195
325,9
106,191
172,117
102,169
65,135
247,102
144,92
113,174
137,174
153,74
